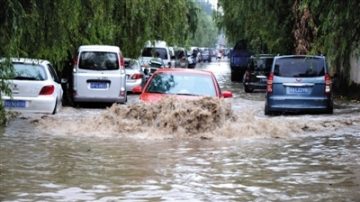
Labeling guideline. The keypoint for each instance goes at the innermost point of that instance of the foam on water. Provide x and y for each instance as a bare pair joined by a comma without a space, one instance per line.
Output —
207,118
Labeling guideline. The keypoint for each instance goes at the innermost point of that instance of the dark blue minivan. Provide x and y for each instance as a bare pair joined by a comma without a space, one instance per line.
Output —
299,83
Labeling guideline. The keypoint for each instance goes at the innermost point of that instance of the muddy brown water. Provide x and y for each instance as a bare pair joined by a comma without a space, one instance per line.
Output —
204,150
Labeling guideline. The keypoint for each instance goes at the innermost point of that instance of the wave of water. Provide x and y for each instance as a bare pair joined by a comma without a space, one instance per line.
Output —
207,118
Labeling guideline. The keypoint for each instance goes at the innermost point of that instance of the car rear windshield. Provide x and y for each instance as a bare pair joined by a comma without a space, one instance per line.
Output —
300,67
155,52
264,64
131,64
29,72
99,60
182,84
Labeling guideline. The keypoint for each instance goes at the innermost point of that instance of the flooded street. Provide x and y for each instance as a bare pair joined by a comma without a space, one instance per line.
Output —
204,150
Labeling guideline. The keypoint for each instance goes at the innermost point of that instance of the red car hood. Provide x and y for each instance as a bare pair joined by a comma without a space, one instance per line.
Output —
154,97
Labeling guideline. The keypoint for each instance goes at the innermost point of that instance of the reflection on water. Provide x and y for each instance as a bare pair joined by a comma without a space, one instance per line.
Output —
42,167
68,157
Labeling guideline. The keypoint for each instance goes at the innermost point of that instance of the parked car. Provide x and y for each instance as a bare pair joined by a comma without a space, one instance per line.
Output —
99,75
158,49
182,83
239,60
205,55
299,84
35,87
181,59
257,72
134,74
153,65
191,60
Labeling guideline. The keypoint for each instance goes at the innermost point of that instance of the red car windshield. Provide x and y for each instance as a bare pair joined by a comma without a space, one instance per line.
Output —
182,84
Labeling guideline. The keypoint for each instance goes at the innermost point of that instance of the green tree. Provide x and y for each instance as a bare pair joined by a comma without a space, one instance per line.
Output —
53,29
262,23
296,27
206,32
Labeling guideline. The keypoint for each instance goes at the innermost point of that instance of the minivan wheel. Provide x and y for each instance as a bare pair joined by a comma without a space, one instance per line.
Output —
248,89
124,102
233,76
267,111
329,110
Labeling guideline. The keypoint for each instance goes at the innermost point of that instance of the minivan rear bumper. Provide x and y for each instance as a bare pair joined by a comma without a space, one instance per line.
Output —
284,104
100,99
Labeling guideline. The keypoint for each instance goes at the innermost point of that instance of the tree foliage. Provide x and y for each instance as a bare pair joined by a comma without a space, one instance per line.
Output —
54,29
206,31
296,27
264,24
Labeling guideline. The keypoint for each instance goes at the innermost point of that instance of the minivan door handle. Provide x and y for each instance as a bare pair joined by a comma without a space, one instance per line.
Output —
299,84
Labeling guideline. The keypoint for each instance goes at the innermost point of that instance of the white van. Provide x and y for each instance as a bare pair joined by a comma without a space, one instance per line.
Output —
99,75
157,49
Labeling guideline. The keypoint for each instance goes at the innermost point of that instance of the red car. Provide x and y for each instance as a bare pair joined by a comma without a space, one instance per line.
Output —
182,83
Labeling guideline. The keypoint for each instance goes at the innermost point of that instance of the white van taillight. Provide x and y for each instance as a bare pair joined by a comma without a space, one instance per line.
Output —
269,85
47,90
327,83
122,64
122,92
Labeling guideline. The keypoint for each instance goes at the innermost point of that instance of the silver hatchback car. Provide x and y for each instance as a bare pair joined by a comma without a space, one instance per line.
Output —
299,83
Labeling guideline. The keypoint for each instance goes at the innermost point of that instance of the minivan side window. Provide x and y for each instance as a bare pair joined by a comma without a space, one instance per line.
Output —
299,67
98,60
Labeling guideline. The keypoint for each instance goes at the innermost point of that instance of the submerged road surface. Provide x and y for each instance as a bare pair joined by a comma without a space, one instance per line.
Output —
231,153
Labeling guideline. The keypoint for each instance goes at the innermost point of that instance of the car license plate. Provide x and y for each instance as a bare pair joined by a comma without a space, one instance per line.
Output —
263,80
98,85
298,90
15,104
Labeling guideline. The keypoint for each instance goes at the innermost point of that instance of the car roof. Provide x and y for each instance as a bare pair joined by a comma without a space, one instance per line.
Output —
156,43
300,56
27,61
263,56
104,48
182,70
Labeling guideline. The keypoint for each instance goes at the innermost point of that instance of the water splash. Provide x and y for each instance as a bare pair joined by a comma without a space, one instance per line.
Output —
206,118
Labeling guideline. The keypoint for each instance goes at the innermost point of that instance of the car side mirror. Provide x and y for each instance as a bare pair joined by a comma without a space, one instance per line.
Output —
137,90
227,94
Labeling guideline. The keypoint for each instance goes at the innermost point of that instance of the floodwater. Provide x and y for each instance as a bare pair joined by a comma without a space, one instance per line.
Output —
204,150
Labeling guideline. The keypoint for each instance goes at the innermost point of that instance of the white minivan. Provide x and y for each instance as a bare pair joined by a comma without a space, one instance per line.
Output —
99,74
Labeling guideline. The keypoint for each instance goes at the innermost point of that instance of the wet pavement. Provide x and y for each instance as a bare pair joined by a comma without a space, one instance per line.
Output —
77,155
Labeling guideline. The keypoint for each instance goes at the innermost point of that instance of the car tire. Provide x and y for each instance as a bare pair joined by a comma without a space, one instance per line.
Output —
267,111
248,89
329,110
55,108
125,101
234,76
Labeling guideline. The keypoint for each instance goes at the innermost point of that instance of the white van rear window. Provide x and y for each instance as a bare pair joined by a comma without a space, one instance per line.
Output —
99,60
155,52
